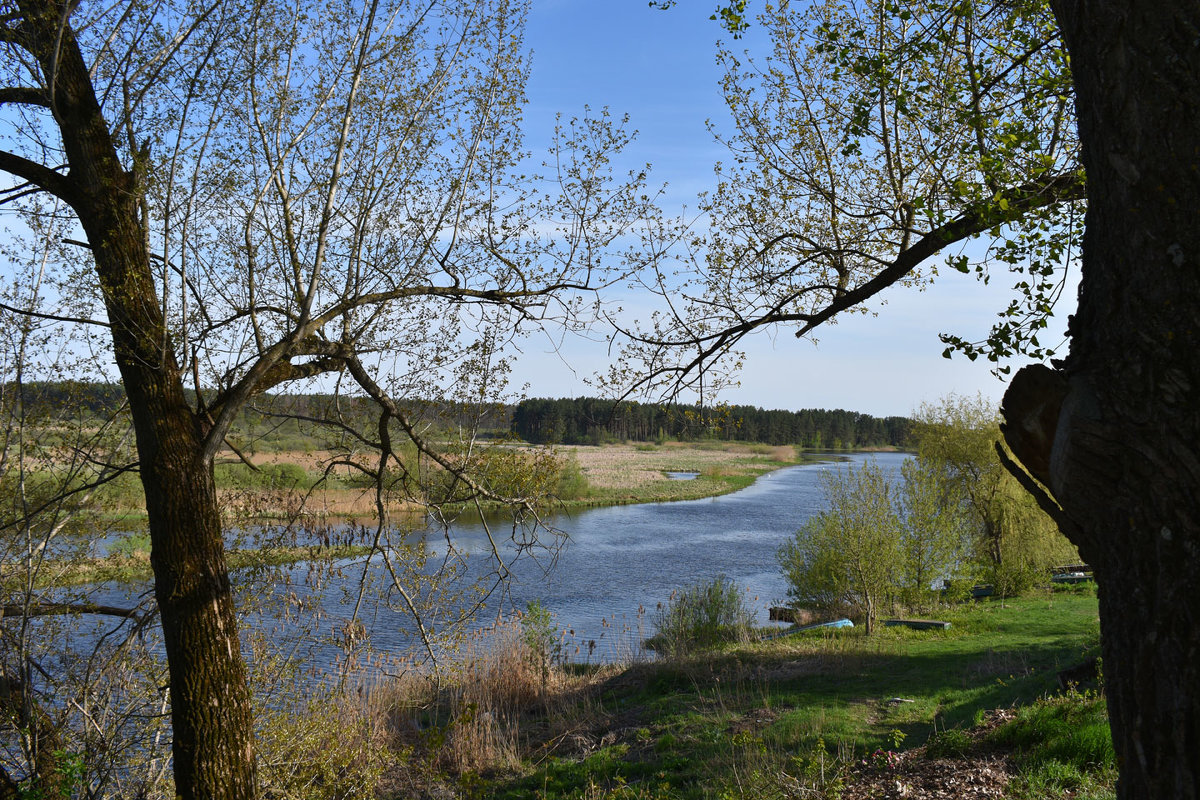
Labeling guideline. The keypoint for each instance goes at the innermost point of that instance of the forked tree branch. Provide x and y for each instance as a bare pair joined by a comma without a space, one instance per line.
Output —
37,174
977,219
1066,187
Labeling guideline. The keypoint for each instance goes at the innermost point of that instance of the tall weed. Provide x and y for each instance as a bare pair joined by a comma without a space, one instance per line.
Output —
701,616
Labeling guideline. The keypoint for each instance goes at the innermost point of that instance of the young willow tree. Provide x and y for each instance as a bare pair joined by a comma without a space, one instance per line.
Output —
877,135
1015,541
935,541
882,541
262,196
848,558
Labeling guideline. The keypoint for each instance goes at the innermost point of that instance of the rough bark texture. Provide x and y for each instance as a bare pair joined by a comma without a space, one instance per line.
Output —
210,702
1115,433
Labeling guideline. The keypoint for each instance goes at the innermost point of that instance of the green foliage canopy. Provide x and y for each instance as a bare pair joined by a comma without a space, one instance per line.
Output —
871,138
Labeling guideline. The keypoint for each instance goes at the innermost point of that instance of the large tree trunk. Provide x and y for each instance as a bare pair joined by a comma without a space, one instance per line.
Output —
211,711
1115,433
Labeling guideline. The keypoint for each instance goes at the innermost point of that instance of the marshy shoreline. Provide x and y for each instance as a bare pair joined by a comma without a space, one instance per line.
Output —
612,475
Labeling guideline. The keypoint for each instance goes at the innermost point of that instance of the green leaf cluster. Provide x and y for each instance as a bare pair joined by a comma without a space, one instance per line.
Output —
955,513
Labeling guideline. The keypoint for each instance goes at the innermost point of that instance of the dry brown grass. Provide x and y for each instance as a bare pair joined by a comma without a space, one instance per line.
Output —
638,467
473,722
321,504
619,473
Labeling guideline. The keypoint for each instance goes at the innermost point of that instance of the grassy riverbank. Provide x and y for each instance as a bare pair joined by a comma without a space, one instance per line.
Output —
292,485
818,714
134,564
638,473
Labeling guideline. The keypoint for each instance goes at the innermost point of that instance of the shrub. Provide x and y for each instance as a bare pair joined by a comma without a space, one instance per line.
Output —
950,743
268,476
124,492
325,748
572,483
287,475
701,616
130,544
541,638
541,476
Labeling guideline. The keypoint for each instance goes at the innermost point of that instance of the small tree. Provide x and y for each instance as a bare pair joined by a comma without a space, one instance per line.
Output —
541,637
934,537
849,556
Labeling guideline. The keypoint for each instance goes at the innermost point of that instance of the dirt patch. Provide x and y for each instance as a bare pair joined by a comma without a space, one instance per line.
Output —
982,772
755,721
915,777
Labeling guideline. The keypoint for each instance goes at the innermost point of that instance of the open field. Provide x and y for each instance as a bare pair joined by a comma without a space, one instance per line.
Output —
636,473
295,483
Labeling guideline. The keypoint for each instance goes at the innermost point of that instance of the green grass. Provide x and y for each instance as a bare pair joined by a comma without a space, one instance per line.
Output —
1063,745
711,482
703,726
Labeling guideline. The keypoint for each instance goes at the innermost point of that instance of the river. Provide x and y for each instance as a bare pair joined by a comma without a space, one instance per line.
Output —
620,562
604,585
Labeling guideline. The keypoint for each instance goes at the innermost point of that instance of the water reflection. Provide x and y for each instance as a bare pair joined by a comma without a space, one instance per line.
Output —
604,584
620,562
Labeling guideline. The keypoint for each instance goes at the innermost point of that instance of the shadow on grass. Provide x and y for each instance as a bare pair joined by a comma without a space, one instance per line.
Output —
679,726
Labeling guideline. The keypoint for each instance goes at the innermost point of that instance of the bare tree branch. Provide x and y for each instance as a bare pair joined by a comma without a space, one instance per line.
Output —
37,174
15,611
52,317
23,95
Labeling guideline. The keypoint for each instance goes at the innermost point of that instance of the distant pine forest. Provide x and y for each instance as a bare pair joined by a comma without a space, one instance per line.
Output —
586,420
582,420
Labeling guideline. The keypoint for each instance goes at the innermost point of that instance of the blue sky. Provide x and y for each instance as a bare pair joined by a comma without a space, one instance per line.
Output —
659,67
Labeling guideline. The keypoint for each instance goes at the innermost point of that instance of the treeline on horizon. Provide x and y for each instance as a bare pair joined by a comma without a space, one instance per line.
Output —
106,398
581,420
588,420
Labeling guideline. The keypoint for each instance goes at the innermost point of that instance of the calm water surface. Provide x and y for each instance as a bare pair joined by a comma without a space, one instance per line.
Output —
623,560
617,565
